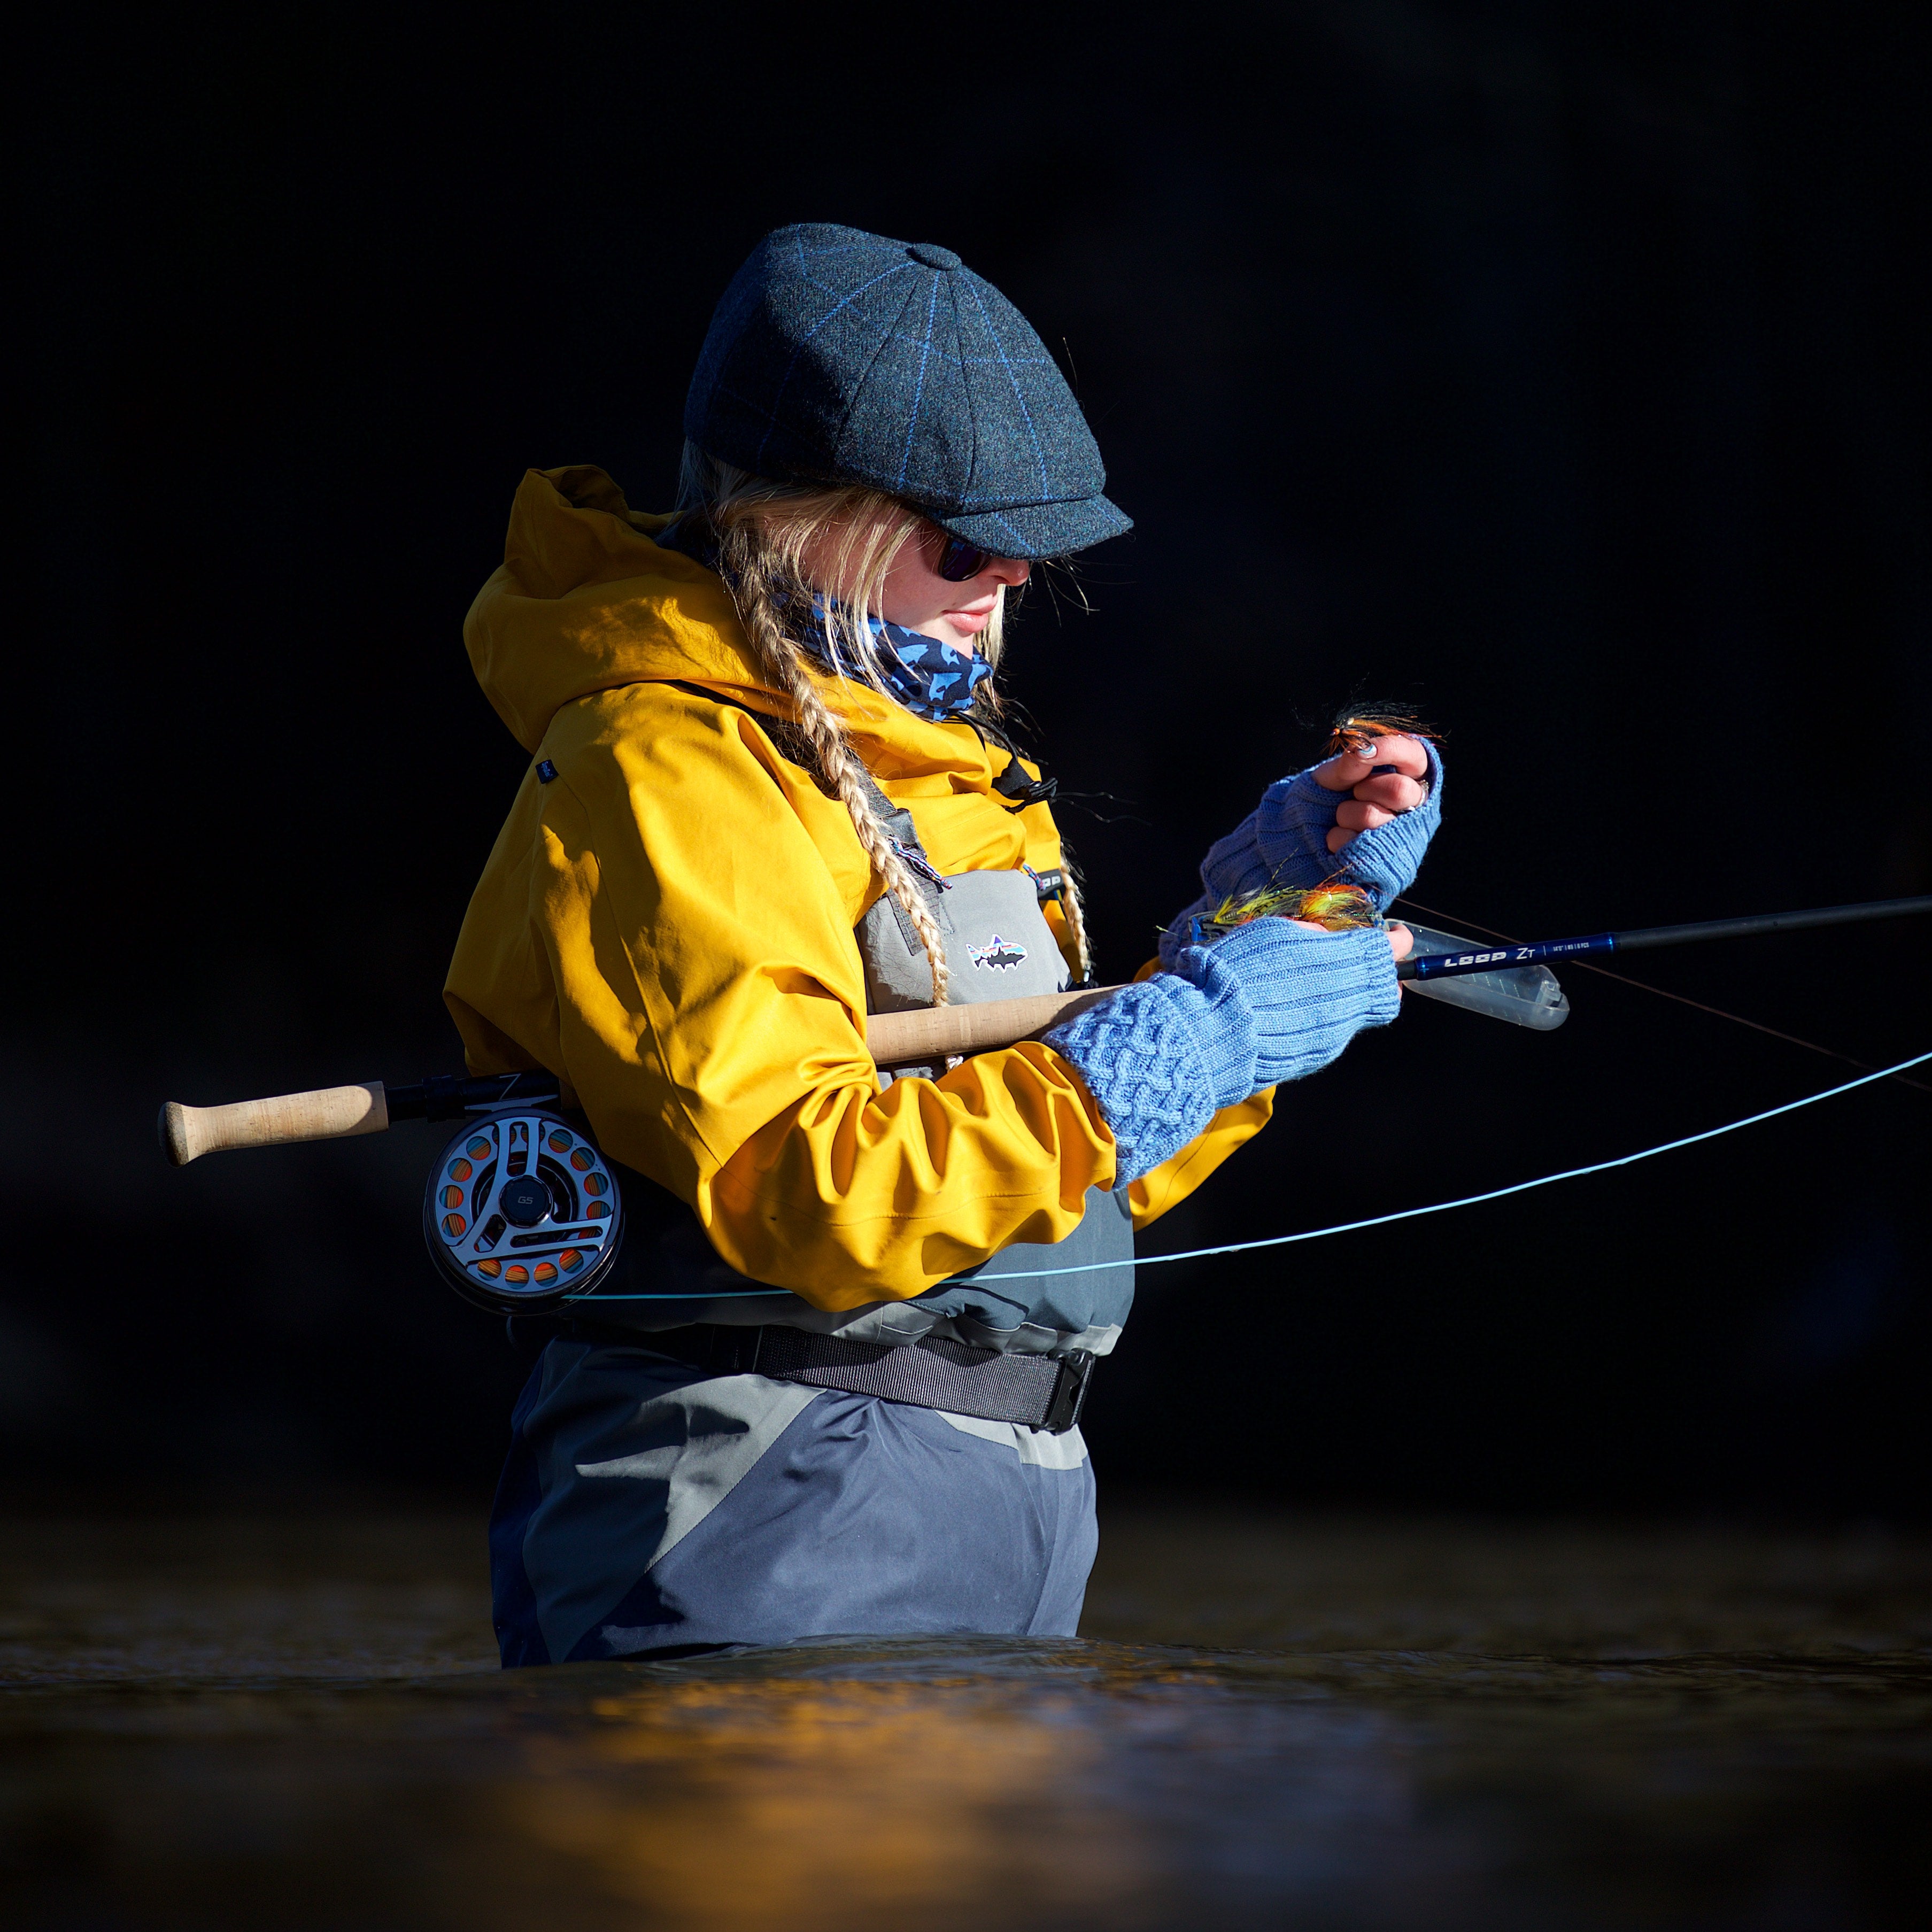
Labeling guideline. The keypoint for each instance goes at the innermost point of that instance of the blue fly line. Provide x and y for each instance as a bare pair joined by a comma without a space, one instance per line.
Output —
1375,1220
1493,1194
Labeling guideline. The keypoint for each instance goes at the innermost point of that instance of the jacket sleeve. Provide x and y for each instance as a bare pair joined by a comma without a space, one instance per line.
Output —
1169,1184
682,956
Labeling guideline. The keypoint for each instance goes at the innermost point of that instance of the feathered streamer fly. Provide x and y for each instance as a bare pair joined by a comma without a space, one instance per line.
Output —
1356,731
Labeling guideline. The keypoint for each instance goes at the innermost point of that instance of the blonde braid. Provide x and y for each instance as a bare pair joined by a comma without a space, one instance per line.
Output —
1071,910
778,658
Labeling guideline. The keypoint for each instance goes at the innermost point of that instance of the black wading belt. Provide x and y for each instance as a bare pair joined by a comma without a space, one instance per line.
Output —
1040,1391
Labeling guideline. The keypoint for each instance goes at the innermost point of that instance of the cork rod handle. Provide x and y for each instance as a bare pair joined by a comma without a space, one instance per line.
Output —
328,1114
928,1034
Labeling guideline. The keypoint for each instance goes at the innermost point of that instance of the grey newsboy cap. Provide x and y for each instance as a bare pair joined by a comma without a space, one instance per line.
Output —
839,356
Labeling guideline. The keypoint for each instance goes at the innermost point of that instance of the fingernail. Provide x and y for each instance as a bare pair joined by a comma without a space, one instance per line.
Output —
1365,751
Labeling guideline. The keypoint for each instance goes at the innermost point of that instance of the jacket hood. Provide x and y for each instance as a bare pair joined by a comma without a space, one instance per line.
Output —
585,601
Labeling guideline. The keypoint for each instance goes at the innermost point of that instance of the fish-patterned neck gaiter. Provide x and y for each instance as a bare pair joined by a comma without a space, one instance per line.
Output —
931,678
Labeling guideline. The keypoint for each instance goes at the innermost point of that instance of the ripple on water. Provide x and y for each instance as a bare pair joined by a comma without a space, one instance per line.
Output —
301,1725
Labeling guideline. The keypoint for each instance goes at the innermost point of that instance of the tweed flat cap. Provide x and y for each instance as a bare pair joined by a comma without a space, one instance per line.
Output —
839,356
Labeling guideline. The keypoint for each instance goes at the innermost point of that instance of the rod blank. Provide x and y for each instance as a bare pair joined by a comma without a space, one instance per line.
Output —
1536,952
1769,922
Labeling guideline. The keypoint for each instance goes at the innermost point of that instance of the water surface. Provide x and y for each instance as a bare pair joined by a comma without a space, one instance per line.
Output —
1267,1722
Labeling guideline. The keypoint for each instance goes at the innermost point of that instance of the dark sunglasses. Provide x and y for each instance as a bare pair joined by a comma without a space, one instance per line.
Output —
959,561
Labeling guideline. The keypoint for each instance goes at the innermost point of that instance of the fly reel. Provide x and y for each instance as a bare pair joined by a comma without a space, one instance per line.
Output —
522,1214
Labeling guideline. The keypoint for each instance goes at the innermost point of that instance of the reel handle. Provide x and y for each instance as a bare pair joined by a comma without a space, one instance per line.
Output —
328,1114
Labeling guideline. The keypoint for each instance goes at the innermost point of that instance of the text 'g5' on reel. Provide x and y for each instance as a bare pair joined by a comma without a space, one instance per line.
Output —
522,1214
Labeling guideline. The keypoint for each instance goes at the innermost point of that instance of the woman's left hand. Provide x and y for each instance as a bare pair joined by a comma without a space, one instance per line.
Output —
1376,793
1402,941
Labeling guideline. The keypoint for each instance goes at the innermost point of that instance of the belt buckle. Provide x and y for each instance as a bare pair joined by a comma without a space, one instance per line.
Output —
1069,1391
730,1350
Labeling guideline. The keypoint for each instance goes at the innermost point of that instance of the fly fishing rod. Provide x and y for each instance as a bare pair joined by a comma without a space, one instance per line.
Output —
1427,966
1510,982
522,1212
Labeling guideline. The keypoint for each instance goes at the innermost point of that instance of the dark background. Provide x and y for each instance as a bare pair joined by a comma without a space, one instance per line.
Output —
1557,370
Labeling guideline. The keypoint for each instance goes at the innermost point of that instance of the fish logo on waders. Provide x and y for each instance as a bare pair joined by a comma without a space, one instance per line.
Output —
1001,954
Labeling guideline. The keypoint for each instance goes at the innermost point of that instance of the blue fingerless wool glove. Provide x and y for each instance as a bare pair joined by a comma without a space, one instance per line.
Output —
1271,1002
1284,841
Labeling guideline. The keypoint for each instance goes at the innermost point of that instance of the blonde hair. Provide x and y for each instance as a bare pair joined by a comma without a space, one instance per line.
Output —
765,530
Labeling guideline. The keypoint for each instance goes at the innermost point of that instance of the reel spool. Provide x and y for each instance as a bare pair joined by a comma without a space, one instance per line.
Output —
522,1212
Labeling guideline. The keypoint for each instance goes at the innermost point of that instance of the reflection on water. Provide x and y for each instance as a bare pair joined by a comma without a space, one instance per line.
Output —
1340,1724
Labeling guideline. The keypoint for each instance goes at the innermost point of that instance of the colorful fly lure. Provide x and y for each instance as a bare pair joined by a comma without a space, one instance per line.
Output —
1356,731
1333,907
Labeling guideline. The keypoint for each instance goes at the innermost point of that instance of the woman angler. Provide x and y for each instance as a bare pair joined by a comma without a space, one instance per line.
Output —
834,1386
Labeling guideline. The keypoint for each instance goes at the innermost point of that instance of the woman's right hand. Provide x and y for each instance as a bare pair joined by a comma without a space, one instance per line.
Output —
1360,818
1383,780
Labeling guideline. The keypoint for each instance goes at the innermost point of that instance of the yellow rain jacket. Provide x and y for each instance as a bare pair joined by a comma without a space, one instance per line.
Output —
667,927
